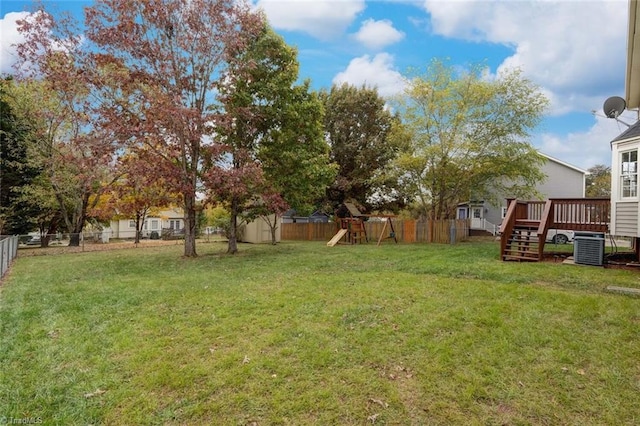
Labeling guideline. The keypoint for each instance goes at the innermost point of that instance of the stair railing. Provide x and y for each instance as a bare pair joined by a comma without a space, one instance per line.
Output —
546,220
516,210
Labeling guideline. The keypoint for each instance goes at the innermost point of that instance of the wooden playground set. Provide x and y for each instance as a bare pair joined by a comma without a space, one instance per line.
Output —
351,226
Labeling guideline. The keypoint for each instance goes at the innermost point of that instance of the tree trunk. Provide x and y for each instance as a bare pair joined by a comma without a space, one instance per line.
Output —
190,225
75,235
74,239
75,223
44,240
273,227
233,228
45,235
138,228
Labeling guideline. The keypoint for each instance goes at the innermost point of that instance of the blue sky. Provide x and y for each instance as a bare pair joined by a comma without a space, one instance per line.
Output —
574,50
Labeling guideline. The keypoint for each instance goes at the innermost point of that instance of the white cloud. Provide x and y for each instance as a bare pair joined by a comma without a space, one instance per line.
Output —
378,71
588,148
378,34
323,19
574,50
8,39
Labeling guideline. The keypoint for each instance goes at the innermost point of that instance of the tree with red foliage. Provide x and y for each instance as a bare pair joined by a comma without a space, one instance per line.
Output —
73,150
155,68
164,63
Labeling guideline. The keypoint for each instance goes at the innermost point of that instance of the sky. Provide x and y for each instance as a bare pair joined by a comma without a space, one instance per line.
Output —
574,50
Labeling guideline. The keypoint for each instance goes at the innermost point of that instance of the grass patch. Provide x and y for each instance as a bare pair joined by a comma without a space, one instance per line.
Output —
305,334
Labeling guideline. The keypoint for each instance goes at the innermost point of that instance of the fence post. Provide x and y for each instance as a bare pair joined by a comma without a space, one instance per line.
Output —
452,231
2,258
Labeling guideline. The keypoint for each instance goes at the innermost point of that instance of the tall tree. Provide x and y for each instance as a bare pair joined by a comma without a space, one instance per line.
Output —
153,69
69,151
75,150
467,138
274,150
295,157
357,125
598,181
17,214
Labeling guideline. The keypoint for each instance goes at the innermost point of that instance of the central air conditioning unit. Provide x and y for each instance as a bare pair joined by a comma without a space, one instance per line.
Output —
588,248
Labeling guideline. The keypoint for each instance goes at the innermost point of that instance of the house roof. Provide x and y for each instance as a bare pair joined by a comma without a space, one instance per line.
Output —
555,160
631,133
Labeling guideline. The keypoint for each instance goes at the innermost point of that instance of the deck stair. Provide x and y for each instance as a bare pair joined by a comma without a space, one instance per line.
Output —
526,223
523,244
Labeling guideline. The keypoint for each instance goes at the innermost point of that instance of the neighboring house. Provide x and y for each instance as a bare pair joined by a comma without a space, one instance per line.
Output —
315,217
563,181
171,221
167,219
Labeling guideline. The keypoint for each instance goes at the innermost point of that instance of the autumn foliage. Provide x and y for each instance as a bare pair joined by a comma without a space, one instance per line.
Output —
151,72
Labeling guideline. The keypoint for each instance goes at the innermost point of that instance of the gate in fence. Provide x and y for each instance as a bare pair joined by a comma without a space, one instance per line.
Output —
8,252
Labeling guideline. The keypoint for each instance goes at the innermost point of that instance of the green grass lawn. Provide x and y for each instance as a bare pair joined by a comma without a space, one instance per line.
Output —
303,334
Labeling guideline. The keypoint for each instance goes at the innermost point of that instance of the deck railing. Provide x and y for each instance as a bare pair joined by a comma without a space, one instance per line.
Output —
577,214
582,214
588,214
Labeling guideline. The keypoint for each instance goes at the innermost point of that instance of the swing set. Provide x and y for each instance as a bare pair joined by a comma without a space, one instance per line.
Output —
352,229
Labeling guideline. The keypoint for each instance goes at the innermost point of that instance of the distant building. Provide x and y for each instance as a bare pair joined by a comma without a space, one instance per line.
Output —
563,181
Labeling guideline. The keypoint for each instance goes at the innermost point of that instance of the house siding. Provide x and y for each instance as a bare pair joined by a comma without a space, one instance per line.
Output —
624,213
626,219
156,222
562,181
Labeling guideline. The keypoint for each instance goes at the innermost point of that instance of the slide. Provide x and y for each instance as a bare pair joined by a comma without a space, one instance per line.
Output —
337,237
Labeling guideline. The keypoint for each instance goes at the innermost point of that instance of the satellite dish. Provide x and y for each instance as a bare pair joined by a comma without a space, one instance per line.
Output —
614,106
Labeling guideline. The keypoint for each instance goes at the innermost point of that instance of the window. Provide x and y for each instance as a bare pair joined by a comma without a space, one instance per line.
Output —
132,224
175,224
629,174
504,212
154,224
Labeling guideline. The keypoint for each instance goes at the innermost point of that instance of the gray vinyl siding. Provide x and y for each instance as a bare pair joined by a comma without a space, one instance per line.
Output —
626,219
493,214
561,181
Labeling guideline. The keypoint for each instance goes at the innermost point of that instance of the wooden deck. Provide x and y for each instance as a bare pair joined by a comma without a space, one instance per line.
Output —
526,224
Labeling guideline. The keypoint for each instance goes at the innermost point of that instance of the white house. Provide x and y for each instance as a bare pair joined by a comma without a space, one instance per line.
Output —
625,201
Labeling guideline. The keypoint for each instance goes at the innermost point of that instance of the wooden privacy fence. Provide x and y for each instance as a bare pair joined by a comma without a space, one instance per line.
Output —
407,231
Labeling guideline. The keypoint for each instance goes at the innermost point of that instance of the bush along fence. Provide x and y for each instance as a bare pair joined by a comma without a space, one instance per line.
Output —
8,252
406,231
